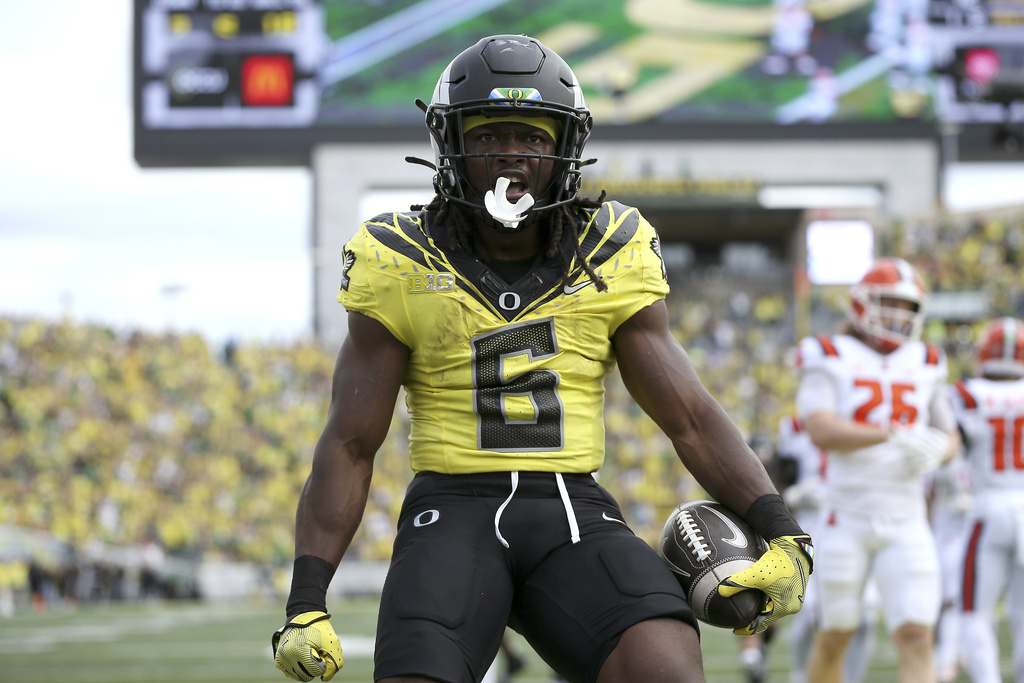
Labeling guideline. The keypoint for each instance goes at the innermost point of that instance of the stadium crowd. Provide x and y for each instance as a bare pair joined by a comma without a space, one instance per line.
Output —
125,438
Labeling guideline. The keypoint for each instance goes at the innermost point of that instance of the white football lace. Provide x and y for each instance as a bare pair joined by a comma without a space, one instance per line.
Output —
694,539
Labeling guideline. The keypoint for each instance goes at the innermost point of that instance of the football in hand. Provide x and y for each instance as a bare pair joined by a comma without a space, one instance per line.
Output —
705,542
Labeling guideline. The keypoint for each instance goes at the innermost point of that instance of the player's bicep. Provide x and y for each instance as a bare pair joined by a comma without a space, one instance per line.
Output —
367,378
941,412
654,367
662,379
817,393
817,402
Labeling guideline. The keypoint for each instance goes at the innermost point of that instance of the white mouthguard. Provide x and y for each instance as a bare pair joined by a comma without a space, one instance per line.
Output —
501,209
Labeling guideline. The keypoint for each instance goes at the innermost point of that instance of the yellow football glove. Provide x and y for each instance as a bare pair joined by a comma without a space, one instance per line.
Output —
782,573
307,646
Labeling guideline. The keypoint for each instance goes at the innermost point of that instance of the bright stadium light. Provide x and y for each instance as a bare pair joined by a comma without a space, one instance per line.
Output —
839,252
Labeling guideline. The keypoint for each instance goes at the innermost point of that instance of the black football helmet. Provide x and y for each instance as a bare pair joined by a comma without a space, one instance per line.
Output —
508,75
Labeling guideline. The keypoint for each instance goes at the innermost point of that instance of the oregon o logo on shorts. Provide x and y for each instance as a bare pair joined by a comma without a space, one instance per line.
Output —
426,517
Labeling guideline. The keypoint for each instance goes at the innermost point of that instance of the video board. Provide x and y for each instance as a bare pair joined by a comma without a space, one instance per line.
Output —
263,81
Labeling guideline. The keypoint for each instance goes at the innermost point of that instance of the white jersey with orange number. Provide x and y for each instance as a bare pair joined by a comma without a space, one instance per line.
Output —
842,375
991,416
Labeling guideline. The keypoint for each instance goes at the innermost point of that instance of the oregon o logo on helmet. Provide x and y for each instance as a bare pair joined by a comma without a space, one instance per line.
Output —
426,517
518,95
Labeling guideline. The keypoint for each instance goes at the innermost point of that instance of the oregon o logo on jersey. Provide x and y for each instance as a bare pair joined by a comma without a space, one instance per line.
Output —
510,301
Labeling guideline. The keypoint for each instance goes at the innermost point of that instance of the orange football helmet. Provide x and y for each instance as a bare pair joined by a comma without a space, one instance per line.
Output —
1001,348
888,326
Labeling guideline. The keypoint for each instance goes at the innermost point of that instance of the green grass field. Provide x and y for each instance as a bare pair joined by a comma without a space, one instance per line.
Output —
213,643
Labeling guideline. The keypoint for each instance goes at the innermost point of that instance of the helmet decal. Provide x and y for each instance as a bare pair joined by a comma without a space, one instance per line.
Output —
515,97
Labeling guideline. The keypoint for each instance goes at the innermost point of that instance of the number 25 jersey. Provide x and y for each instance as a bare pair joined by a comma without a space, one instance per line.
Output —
842,375
503,377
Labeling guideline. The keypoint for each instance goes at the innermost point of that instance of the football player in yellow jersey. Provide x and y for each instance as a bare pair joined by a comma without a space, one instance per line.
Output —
501,307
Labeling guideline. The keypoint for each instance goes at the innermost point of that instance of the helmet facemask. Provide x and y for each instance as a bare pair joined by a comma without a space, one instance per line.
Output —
872,311
890,326
538,84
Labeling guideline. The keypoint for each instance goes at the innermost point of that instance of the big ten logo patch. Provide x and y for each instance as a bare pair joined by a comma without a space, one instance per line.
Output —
430,282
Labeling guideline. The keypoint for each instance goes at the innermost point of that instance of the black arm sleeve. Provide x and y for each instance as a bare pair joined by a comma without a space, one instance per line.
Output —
311,576
770,517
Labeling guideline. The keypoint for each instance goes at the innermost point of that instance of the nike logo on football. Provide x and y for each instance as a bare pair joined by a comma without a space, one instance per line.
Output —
604,515
577,287
737,540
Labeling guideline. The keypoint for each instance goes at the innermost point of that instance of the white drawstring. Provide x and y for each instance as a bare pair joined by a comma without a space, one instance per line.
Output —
574,528
570,515
501,508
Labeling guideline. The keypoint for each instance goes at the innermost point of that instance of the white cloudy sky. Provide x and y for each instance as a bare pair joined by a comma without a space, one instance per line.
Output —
224,251
84,229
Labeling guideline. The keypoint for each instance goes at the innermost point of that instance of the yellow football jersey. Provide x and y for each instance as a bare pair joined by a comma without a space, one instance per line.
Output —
503,377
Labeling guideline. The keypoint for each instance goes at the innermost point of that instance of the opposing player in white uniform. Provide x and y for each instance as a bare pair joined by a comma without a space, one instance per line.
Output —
949,502
808,468
990,411
876,399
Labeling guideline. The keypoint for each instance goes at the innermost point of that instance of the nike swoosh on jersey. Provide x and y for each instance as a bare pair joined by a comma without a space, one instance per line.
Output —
575,288
604,515
737,540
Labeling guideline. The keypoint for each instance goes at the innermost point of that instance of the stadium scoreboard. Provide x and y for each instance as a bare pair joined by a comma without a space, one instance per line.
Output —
229,63
263,82
978,58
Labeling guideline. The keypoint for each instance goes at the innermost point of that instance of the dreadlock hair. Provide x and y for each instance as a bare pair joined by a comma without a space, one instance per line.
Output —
462,233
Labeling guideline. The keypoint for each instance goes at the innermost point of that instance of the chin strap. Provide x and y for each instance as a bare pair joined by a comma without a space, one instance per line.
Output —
497,204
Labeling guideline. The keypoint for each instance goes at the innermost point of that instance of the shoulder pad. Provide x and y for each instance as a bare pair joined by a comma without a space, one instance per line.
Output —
966,396
827,346
810,352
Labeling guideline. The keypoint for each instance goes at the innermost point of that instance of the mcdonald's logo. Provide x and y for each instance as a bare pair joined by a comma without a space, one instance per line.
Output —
268,81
